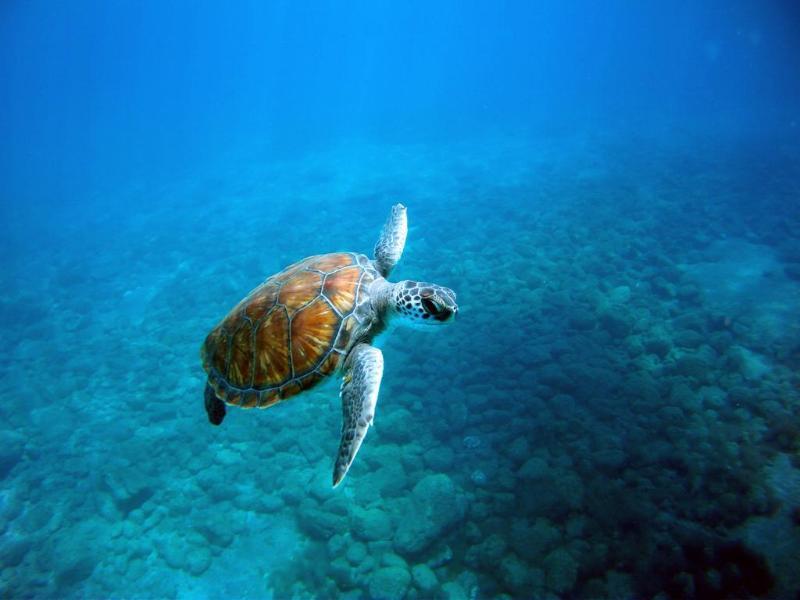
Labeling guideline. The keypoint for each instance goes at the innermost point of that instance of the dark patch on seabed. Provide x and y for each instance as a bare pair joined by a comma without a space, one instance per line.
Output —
614,414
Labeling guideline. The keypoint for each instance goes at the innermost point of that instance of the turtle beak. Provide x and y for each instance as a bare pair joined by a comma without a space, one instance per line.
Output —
451,306
448,314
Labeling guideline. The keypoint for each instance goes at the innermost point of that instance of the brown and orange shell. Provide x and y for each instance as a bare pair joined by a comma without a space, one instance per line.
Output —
289,332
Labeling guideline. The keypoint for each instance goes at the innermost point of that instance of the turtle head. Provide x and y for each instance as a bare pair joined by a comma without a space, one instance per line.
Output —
423,305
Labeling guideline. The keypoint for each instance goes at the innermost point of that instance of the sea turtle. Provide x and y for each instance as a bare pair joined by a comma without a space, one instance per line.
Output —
315,318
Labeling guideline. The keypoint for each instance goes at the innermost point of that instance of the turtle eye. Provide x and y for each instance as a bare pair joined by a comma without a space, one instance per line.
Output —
432,307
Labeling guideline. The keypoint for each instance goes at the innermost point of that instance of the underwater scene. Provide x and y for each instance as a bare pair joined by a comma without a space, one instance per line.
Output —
541,258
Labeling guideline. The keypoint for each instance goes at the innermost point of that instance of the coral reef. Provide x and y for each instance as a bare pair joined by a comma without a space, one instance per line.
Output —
601,421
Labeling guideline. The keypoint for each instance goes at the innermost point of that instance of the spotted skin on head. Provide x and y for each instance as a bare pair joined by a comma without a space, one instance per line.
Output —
421,303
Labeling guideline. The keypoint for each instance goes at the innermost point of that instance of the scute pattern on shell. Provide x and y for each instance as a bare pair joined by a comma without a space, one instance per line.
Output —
290,332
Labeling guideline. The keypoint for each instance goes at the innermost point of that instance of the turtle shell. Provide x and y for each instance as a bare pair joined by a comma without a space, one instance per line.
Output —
290,332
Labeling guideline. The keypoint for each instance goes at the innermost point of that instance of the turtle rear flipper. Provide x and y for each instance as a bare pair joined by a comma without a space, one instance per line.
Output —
214,406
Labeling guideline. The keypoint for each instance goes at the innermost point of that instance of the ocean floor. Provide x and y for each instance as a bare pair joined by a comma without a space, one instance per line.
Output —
605,419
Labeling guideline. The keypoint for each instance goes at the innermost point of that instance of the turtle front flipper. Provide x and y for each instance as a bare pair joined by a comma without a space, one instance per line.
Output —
214,406
390,246
360,386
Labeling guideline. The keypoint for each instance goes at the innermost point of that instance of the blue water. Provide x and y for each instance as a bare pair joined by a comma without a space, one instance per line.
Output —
612,191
